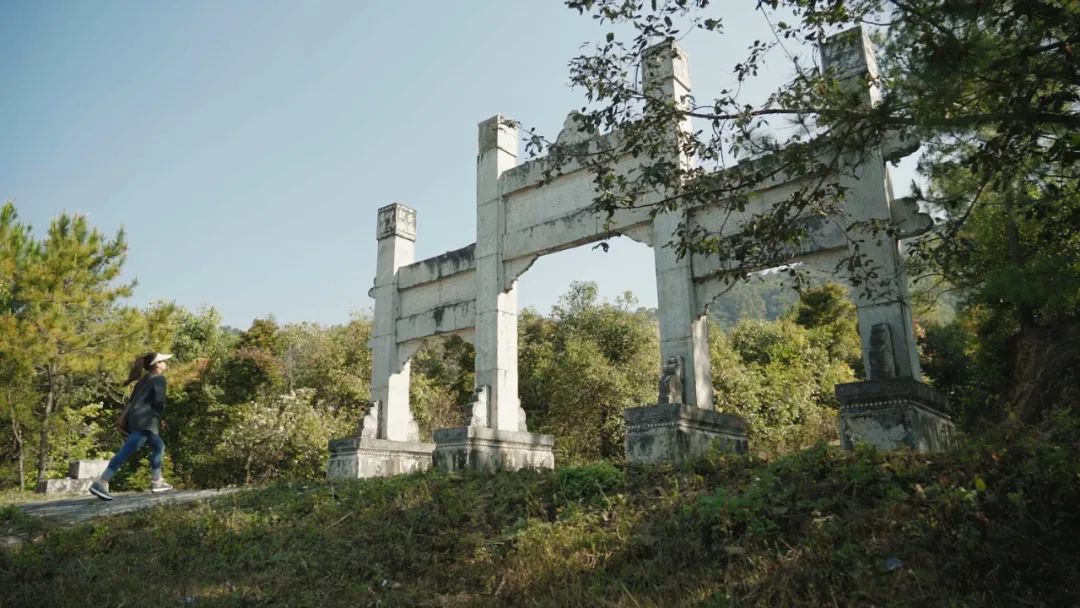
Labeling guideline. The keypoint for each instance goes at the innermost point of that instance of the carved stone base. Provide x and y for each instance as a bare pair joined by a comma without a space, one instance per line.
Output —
893,414
66,485
356,457
476,448
672,432
81,473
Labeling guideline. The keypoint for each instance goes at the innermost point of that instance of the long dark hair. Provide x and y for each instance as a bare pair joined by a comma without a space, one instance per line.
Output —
139,367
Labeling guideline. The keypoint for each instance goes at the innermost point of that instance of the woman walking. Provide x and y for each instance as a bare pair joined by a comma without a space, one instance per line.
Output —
142,423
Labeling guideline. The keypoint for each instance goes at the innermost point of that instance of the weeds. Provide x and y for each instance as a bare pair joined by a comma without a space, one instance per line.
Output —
986,525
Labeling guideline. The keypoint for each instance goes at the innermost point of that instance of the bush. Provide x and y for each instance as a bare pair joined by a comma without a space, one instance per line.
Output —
249,373
581,368
781,379
285,436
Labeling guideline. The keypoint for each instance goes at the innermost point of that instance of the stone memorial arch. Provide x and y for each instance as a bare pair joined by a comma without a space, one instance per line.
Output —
520,216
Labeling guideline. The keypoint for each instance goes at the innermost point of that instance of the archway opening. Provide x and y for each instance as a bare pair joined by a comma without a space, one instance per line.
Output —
777,355
440,383
588,346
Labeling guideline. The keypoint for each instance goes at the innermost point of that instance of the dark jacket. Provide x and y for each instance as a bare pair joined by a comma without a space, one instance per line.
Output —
147,405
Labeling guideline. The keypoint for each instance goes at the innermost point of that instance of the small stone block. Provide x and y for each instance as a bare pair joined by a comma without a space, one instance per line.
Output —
672,432
87,469
66,485
358,458
893,414
471,448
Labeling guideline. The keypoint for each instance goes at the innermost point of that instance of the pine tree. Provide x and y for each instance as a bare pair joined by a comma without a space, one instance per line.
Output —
65,320
16,397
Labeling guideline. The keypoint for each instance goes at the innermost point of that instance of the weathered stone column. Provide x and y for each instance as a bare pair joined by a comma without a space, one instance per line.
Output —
496,301
869,198
495,436
682,424
892,408
683,330
387,441
396,233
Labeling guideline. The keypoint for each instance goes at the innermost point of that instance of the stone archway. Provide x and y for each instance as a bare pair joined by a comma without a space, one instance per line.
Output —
523,213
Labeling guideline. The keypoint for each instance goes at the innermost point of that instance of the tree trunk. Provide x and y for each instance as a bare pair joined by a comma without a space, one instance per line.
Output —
43,443
1024,313
247,468
1043,359
19,451
1044,364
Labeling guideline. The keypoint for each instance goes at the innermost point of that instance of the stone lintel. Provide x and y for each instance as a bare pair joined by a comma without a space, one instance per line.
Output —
673,432
360,457
398,220
438,267
474,448
898,413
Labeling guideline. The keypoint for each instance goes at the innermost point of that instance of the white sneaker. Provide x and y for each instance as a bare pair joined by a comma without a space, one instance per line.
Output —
100,488
159,485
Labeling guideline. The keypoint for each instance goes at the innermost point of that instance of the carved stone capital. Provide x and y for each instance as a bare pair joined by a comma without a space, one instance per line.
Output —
498,132
396,220
662,62
849,54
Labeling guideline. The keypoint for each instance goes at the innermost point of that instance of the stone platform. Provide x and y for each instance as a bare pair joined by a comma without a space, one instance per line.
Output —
673,432
359,457
476,448
892,414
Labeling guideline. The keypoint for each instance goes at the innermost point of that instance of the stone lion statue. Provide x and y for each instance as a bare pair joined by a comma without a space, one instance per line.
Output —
671,381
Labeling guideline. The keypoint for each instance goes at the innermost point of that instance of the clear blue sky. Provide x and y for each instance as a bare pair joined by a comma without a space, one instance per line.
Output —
246,145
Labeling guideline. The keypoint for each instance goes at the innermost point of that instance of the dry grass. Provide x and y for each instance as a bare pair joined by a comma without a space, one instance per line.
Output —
983,526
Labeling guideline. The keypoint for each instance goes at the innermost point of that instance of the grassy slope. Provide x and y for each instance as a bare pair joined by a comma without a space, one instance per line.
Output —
979,527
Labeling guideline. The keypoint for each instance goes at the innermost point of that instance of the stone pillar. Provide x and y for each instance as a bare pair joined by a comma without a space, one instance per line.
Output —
396,233
494,436
683,331
496,300
682,425
886,330
387,442
884,309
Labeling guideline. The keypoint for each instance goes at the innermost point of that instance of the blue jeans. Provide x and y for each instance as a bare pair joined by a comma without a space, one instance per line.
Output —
136,440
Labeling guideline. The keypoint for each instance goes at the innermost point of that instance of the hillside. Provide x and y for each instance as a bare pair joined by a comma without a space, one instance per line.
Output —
978,527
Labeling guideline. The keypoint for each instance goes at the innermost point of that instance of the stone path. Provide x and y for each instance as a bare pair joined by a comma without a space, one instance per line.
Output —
77,510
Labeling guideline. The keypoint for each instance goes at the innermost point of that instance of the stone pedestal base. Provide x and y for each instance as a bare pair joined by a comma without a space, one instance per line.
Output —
672,432
476,448
355,457
893,414
81,473
66,485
